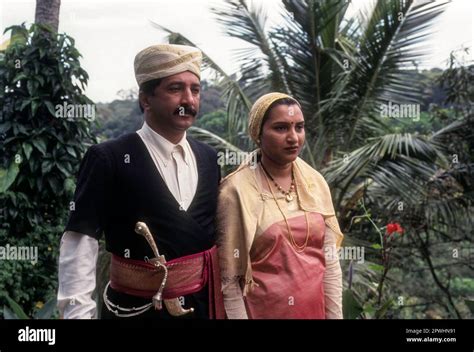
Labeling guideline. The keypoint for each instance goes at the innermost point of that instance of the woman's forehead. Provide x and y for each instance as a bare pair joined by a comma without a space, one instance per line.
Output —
286,113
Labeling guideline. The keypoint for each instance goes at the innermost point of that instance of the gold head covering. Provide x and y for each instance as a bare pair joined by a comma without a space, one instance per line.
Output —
164,60
259,109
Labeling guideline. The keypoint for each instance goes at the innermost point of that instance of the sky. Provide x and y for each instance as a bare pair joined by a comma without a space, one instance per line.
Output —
109,33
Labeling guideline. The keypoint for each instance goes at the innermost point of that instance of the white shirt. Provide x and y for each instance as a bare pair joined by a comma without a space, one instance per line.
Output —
78,252
76,276
175,162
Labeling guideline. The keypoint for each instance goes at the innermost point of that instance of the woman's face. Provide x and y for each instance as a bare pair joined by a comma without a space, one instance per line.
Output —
283,134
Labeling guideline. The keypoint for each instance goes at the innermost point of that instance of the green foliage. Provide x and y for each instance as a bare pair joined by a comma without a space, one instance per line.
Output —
41,152
211,98
124,116
39,72
7,177
470,305
14,311
213,122
351,307
30,283
117,118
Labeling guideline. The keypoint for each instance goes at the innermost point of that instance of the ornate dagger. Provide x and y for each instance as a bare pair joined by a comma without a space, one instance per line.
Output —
172,305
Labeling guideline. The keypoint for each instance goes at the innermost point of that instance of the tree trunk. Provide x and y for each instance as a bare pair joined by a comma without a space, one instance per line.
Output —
47,12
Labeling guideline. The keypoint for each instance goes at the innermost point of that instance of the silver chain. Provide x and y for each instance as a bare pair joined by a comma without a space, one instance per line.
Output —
121,311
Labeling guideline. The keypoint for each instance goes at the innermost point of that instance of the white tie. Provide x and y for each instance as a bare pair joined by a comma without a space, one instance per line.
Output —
182,176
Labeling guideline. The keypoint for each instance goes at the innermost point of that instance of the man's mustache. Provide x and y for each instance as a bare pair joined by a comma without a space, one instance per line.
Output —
185,110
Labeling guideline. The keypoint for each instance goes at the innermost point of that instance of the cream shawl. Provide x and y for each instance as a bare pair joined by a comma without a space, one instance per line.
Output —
240,203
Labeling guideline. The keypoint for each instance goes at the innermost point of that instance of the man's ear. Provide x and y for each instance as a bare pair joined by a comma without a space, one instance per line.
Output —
143,99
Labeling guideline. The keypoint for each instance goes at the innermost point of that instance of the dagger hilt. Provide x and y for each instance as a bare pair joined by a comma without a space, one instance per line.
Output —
172,305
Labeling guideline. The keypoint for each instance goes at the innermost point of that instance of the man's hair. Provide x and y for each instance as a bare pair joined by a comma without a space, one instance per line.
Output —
148,88
282,101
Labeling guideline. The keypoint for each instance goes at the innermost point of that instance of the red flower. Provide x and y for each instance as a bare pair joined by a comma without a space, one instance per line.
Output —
391,228
394,227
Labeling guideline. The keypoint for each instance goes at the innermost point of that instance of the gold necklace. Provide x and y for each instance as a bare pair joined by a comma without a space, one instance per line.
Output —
298,248
287,194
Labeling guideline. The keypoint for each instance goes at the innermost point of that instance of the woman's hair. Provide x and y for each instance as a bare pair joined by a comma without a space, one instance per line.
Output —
282,101
148,88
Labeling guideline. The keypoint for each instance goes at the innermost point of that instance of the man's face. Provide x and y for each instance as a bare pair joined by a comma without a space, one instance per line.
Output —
175,102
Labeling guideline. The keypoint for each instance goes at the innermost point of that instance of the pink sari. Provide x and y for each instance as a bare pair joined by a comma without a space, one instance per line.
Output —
290,284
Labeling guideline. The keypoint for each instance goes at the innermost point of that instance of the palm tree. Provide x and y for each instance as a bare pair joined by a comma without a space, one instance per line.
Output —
343,70
339,69
47,12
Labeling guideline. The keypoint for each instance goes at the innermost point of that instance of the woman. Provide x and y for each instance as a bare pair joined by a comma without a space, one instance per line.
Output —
277,228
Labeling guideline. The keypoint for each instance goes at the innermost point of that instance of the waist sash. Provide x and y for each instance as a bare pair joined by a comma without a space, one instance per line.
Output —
186,275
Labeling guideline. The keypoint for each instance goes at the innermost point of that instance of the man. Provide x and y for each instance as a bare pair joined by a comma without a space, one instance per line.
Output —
161,179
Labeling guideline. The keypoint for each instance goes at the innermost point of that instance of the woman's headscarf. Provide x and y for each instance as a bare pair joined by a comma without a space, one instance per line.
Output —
259,108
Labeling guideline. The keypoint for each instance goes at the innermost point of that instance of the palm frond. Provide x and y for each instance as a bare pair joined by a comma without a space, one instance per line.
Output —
389,44
214,140
307,42
261,62
392,147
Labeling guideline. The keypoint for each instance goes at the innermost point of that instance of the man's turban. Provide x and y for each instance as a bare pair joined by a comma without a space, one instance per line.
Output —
164,60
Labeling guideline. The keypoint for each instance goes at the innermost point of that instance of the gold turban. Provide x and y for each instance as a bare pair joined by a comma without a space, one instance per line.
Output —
164,60
259,109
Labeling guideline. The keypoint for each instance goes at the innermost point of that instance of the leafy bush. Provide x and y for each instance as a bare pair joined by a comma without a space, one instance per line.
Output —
42,140
31,284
